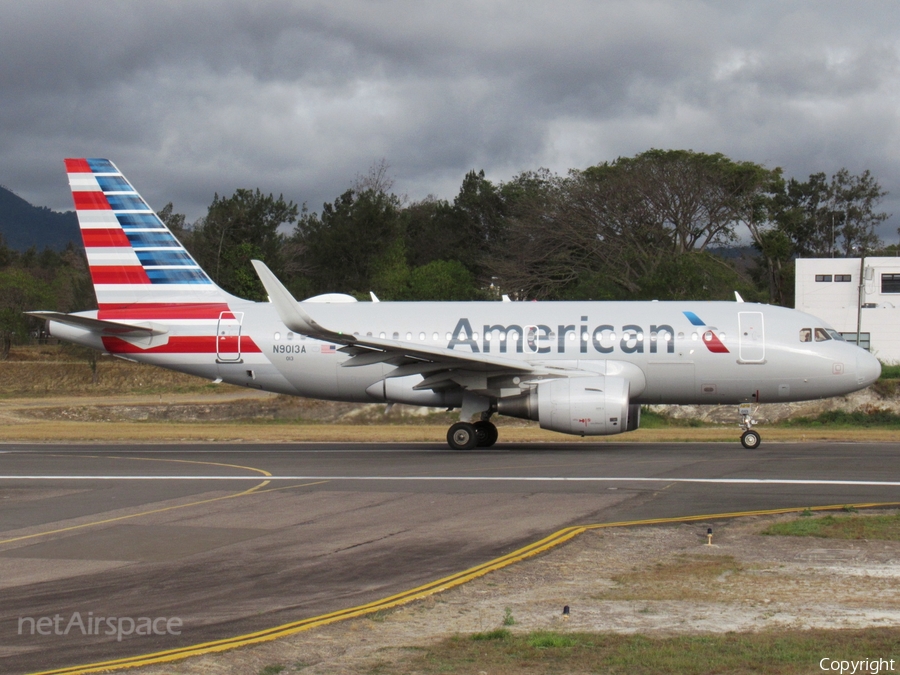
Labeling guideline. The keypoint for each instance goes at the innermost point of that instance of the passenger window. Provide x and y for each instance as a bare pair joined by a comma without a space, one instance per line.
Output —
822,335
806,335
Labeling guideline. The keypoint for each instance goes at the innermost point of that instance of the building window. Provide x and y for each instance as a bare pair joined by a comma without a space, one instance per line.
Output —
842,277
823,277
890,283
865,339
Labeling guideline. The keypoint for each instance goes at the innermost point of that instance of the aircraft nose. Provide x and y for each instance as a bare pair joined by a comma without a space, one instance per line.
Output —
868,368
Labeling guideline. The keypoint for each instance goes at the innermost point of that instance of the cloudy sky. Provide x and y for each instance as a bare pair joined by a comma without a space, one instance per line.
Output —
193,98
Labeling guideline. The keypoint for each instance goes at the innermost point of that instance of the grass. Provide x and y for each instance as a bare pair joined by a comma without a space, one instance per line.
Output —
885,528
496,634
866,419
784,652
890,371
656,420
271,670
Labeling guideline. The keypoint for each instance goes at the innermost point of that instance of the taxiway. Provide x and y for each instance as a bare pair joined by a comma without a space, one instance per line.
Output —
236,538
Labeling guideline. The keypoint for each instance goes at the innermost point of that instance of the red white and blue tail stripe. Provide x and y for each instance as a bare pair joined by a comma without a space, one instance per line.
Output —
138,268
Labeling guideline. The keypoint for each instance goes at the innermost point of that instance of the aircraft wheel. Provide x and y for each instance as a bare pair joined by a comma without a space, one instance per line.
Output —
750,439
486,433
462,436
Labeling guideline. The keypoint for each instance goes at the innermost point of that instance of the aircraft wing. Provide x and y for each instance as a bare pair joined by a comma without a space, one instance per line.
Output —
411,358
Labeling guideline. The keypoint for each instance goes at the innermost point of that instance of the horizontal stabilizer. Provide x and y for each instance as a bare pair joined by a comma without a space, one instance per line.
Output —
143,329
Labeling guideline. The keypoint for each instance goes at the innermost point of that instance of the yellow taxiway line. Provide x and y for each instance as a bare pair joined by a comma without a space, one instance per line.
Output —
446,583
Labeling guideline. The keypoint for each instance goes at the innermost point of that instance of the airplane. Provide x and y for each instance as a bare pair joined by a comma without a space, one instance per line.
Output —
582,368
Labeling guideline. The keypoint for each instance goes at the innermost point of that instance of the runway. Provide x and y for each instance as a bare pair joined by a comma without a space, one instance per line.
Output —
231,539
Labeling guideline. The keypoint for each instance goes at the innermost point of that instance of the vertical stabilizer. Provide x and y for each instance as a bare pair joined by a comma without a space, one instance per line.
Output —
138,268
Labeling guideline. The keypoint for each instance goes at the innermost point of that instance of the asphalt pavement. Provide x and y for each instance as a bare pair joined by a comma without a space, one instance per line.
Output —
229,539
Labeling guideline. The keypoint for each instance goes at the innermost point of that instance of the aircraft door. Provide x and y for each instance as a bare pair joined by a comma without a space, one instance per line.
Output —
228,337
752,337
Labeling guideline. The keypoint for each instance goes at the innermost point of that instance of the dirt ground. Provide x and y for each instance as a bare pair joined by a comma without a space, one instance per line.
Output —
241,415
653,580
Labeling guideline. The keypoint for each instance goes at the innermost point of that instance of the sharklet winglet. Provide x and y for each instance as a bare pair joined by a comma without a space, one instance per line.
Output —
289,310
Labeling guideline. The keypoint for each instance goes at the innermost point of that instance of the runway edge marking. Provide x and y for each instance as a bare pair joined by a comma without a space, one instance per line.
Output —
438,586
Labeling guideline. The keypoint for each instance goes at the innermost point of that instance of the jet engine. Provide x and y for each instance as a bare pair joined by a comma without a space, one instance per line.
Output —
586,406
402,390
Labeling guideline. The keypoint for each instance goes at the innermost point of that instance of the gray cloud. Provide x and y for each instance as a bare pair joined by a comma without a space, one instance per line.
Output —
298,98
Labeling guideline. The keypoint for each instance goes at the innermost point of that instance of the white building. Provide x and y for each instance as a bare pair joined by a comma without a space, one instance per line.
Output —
829,288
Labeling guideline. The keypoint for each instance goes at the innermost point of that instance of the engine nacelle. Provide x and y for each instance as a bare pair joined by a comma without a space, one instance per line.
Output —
586,406
401,390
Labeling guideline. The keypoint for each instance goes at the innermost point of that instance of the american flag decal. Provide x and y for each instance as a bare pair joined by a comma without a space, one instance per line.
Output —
328,349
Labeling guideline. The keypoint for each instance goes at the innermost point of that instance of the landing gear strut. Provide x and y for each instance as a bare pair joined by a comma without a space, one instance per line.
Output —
750,439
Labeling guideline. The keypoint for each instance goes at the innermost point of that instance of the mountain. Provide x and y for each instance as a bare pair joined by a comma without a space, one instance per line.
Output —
23,225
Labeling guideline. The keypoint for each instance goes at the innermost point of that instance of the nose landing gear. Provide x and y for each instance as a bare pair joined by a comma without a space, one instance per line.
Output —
750,439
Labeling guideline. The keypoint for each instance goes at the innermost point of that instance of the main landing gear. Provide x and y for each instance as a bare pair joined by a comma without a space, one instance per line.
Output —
465,436
750,439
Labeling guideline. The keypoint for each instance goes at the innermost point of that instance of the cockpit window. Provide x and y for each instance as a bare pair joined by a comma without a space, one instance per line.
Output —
835,335
822,335
806,335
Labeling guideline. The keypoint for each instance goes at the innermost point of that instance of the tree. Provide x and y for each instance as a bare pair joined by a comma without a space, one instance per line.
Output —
21,292
813,218
236,230
615,229
465,230
345,248
442,280
854,198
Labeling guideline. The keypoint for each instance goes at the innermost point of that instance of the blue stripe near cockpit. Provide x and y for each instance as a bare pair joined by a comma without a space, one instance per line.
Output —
694,319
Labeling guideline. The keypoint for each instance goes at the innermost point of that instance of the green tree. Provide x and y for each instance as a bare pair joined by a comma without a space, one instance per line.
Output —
21,292
236,230
813,218
466,230
613,230
351,245
443,280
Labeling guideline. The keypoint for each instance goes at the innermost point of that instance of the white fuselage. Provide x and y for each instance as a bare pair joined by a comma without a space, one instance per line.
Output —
671,352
